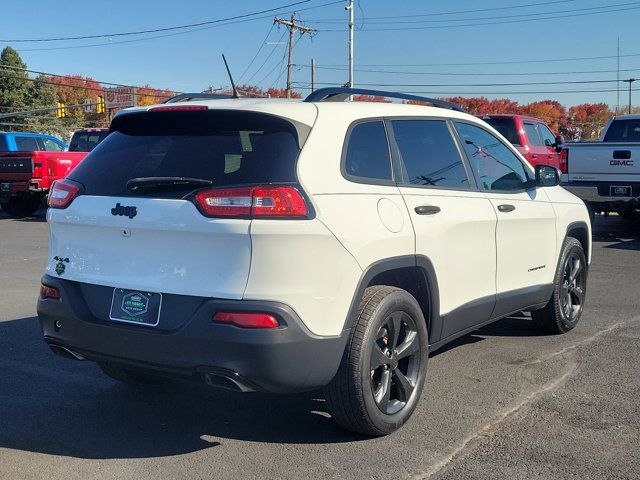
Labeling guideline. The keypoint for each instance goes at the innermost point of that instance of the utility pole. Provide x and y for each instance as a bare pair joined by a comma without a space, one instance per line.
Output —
292,26
630,81
618,78
313,74
351,13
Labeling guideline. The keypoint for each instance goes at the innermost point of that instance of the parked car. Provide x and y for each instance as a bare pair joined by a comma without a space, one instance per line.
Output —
29,164
87,139
531,136
30,142
606,174
265,245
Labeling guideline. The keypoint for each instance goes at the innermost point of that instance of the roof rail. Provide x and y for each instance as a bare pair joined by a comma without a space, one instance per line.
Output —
185,97
340,94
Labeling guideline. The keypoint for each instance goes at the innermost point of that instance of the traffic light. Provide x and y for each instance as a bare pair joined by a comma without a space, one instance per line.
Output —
100,108
61,112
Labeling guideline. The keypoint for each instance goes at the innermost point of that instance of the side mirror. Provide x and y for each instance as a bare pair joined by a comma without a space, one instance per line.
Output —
558,145
547,176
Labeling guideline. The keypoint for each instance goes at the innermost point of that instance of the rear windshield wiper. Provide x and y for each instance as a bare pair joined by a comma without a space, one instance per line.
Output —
167,183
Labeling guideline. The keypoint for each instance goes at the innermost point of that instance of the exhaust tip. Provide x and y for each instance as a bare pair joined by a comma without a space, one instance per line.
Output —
65,352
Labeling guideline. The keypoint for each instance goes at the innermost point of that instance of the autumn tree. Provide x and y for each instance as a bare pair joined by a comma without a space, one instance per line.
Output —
371,98
551,112
587,120
282,93
147,95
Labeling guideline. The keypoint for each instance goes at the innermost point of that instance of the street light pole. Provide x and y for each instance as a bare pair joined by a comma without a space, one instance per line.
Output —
630,81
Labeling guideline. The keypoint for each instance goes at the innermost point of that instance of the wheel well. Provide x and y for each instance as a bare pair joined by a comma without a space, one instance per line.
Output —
580,233
411,279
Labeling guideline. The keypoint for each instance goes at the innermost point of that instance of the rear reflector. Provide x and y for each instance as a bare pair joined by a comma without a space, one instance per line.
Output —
247,319
62,193
178,107
252,202
564,160
49,292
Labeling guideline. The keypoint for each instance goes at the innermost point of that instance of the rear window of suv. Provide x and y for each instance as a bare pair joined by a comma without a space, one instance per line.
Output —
226,147
506,127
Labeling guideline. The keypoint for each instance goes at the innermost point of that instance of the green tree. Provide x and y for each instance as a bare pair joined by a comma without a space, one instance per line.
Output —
41,94
14,85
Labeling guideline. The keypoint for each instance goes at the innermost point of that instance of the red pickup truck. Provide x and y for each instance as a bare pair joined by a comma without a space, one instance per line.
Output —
531,137
26,177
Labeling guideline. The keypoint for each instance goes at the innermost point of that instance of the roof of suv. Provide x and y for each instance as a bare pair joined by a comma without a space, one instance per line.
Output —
306,112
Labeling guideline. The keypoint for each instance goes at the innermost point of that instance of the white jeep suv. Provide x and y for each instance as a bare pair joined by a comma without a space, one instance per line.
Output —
284,246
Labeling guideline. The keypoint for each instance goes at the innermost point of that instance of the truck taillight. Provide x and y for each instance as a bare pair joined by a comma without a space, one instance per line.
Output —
62,193
266,201
564,160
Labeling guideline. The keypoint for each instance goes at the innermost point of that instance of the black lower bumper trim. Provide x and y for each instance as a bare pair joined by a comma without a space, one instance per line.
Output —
284,359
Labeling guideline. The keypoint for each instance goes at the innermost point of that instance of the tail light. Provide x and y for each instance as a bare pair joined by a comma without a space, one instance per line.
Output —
247,319
252,202
564,160
49,292
62,193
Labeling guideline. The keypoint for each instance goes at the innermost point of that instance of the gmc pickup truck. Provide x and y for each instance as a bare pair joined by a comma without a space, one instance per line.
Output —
606,174
27,175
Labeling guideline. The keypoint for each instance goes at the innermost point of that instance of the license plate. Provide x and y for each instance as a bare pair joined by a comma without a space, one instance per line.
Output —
135,306
620,191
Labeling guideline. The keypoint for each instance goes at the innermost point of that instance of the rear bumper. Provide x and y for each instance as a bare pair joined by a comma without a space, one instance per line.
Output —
285,359
599,192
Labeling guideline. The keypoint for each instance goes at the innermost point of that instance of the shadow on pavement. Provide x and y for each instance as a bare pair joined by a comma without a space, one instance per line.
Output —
39,216
63,407
620,233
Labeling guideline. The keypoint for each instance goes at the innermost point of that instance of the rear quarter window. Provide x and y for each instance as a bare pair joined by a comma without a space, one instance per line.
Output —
366,157
229,148
3,143
26,144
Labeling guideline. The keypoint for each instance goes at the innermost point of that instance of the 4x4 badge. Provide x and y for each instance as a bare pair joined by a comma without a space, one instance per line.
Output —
60,266
124,211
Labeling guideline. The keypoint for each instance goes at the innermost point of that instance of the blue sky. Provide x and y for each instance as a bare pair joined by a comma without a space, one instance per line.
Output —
412,45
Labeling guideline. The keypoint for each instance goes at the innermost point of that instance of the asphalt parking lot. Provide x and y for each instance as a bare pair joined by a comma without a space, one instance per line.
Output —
503,402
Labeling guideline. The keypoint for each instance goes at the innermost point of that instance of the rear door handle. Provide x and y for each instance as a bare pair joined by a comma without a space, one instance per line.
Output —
506,208
427,210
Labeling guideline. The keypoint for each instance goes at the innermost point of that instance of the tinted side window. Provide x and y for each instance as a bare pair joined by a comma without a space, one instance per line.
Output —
26,144
506,127
51,145
367,153
429,154
548,138
533,135
495,166
3,143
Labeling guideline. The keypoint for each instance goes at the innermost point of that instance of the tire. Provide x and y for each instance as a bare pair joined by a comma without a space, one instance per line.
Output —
131,377
377,401
564,310
23,206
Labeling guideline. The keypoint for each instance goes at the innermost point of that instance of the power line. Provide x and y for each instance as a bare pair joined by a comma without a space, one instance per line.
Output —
448,85
273,50
471,74
503,62
387,21
551,17
257,53
153,37
154,30
293,26
71,77
434,14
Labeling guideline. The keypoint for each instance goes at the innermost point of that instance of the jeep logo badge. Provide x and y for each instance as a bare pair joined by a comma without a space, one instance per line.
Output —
124,211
